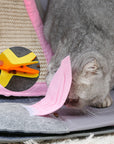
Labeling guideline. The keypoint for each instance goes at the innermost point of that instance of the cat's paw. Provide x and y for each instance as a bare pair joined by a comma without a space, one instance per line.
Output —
106,103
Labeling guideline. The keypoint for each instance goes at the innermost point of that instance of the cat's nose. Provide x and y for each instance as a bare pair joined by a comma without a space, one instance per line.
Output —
71,102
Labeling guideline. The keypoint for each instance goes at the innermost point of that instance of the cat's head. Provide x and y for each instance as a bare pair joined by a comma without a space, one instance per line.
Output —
90,83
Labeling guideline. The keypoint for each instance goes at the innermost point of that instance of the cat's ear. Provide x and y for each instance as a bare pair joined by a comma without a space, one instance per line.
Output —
91,67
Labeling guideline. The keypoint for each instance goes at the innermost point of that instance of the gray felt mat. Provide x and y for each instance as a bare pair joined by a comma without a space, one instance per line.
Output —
16,123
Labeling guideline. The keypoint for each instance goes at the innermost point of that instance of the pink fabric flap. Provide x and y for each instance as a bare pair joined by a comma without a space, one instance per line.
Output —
57,92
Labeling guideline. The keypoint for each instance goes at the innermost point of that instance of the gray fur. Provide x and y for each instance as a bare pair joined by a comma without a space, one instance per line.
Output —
83,29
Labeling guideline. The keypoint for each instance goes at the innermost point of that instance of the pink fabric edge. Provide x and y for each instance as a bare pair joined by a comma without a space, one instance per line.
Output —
38,26
39,88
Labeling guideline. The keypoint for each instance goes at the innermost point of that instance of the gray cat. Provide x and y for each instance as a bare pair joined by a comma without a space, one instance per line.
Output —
83,29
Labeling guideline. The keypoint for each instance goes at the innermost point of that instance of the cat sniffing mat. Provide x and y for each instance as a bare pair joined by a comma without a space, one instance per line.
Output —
23,38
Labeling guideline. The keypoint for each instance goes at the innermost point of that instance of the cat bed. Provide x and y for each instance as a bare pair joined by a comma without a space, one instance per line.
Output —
16,124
